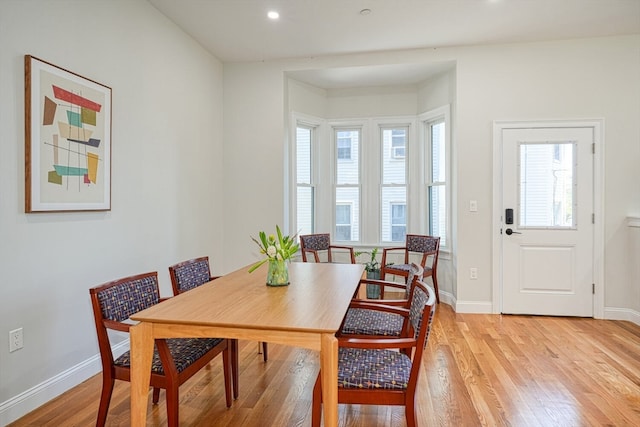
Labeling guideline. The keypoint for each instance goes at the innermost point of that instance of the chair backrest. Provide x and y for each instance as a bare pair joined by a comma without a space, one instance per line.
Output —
426,245
416,273
315,242
423,303
420,243
116,301
189,274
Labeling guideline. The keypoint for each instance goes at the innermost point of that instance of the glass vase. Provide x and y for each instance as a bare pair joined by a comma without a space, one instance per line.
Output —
278,274
373,291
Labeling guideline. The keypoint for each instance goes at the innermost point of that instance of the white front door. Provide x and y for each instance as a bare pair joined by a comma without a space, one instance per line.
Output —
547,231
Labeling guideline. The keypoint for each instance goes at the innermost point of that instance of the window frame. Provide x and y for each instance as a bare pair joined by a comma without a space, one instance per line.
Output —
370,157
356,217
316,126
438,115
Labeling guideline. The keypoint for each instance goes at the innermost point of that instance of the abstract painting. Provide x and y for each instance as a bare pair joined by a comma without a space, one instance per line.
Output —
67,140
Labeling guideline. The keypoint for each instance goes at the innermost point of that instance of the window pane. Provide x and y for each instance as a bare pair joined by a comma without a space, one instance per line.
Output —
438,153
344,147
347,167
303,155
394,216
343,222
398,143
398,222
347,214
547,186
393,156
438,213
305,210
304,186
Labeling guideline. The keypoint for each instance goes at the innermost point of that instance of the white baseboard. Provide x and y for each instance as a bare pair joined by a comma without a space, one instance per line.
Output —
475,307
612,313
28,400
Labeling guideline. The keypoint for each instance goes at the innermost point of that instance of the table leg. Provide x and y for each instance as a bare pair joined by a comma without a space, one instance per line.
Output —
329,372
141,342
234,367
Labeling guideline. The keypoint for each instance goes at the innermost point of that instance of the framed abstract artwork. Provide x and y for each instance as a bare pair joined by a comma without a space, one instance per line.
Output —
67,140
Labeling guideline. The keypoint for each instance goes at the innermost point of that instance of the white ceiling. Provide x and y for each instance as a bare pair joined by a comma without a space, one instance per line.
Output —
238,30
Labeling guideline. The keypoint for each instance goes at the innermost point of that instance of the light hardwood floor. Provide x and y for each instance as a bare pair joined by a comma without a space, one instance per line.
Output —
478,370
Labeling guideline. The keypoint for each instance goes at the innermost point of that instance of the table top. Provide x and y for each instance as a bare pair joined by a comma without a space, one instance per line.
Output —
316,300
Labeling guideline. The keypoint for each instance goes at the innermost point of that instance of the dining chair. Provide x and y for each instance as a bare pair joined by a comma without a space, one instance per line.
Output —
190,274
369,318
174,361
371,371
427,247
317,244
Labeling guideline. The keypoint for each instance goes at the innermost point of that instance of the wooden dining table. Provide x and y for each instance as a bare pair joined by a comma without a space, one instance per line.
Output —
307,313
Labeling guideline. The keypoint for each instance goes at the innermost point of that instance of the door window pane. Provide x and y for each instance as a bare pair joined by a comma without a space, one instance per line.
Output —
547,185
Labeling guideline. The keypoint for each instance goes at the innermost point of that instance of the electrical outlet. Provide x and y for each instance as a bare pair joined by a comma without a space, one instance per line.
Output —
15,340
473,273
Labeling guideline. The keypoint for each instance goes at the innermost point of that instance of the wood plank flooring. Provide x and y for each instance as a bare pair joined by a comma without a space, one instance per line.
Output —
478,370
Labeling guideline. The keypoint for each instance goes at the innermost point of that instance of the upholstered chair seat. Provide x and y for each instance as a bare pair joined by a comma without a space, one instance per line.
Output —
362,321
384,371
184,351
363,368
373,318
174,360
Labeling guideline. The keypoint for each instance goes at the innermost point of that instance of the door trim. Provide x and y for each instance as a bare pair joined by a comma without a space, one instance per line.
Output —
597,126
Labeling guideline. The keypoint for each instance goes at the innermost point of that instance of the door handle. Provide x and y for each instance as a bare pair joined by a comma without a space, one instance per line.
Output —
510,232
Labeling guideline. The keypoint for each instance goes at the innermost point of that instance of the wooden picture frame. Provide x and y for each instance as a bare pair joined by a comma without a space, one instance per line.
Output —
67,140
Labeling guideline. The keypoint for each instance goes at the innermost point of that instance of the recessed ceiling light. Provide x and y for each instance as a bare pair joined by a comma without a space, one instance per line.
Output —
272,14
364,12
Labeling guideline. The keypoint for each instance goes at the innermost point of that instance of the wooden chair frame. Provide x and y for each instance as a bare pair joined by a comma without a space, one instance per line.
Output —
410,345
429,271
418,275
170,381
178,289
388,306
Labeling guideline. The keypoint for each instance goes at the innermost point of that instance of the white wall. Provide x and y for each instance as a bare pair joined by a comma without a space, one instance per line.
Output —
166,177
592,78
183,185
